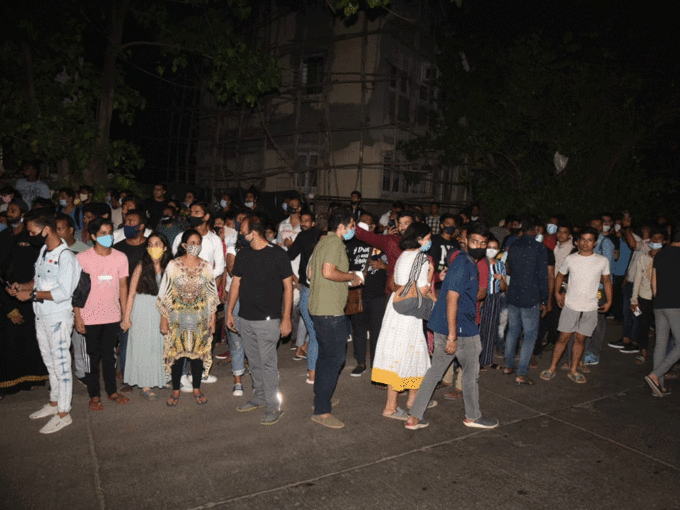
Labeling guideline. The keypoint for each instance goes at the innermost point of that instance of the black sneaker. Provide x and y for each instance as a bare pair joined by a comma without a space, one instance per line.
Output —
358,371
619,344
630,348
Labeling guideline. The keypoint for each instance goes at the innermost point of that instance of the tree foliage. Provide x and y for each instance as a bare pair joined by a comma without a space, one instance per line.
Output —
508,108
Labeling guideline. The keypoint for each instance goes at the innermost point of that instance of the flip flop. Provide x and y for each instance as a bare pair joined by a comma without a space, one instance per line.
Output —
399,414
508,370
199,398
453,395
120,399
525,381
148,395
420,425
656,389
578,377
172,401
547,375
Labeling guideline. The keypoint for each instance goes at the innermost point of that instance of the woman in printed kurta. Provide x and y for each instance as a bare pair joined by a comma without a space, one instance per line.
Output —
188,302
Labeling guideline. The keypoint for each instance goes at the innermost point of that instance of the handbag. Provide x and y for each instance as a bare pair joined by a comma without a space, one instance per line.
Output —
355,302
408,300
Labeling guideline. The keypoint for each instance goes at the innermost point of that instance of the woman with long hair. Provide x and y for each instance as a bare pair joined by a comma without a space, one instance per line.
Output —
401,357
188,304
144,357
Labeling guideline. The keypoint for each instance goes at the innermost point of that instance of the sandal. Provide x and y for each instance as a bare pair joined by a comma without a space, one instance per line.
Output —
547,375
640,360
96,405
524,381
508,370
565,366
148,394
118,399
201,399
453,395
172,401
399,414
578,377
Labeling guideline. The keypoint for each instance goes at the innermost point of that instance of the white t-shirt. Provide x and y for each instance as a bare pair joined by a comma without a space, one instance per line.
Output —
584,279
211,251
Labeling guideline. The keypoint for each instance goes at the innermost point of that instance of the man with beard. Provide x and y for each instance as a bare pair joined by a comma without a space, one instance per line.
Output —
456,334
357,210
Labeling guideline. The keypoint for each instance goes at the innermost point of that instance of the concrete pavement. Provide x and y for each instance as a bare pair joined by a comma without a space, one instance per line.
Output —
602,445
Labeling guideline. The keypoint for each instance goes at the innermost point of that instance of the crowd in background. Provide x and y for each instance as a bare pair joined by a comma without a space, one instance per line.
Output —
147,291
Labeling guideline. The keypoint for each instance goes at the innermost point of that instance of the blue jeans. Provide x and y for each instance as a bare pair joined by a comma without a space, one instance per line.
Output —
312,346
333,332
519,319
236,345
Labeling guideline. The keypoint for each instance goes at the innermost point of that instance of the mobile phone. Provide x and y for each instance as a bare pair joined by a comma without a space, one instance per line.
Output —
392,223
637,312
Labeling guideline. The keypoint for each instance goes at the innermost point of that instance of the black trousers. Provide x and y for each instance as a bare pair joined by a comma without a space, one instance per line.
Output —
100,343
644,322
196,372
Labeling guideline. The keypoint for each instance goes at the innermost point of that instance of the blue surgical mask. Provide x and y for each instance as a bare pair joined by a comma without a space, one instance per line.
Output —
105,241
655,246
63,202
551,228
348,235
284,206
539,238
426,246
244,242
223,204
3,226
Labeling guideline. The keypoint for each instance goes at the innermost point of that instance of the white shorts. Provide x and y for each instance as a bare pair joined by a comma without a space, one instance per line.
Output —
583,323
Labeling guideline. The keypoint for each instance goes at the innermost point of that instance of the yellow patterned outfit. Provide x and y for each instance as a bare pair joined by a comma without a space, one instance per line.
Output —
188,298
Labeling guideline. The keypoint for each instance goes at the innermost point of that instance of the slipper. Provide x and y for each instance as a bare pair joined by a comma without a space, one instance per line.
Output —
120,399
453,395
399,414
172,401
546,375
148,394
199,399
329,421
640,360
508,370
300,357
524,381
309,381
420,425
96,405
656,389
578,377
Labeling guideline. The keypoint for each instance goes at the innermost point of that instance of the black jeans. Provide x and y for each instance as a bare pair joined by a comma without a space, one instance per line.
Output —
358,322
196,372
331,334
100,343
645,320
374,311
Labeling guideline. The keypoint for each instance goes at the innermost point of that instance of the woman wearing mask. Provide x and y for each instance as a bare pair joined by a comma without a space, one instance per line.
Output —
491,309
187,301
401,357
144,357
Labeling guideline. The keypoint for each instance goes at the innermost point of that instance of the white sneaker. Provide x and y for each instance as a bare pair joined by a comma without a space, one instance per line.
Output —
56,424
208,379
44,412
238,390
185,385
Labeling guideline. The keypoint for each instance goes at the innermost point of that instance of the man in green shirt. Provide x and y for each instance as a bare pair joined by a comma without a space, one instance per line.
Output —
329,284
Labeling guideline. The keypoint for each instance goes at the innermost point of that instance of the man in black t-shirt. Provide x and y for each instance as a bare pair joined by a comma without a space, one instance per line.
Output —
665,280
156,203
358,253
263,280
443,244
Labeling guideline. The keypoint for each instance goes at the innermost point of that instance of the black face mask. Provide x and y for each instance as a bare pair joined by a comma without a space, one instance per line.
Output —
244,242
37,241
450,230
477,253
355,202
194,221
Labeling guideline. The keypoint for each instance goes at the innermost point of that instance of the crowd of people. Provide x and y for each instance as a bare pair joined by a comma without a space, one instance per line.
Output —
142,292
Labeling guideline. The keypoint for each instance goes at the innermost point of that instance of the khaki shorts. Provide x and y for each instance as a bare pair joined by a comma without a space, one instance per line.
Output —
583,323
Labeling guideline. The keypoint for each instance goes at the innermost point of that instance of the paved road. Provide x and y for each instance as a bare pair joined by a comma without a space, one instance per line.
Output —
603,445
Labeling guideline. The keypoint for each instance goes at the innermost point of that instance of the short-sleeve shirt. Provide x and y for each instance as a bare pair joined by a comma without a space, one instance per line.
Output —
327,297
584,279
103,303
262,273
461,277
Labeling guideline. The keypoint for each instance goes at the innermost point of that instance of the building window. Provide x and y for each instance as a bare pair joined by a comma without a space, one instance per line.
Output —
305,178
404,178
429,91
312,74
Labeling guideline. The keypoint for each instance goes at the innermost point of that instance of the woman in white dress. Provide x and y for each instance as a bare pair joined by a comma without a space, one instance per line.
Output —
401,357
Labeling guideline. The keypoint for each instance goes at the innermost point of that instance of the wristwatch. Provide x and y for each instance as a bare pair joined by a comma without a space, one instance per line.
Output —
33,296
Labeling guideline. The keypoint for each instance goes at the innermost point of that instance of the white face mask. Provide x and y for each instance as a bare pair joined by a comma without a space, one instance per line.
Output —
249,205
83,197
491,253
539,238
617,227
606,228
551,228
